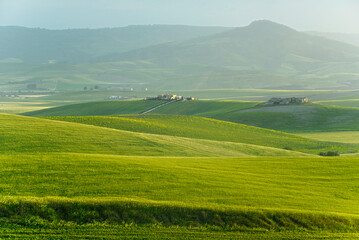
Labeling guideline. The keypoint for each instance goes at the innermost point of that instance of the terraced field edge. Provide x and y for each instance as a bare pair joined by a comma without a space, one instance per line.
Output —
57,211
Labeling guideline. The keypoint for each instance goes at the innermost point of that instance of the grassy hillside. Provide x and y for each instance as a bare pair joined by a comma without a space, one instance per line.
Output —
342,102
73,179
98,108
203,128
344,137
289,118
226,193
299,118
204,108
31,135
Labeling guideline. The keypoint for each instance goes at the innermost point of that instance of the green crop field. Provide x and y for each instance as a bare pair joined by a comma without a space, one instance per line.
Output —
342,103
84,155
200,196
204,128
166,176
202,108
344,137
98,108
24,134
300,118
290,118
27,103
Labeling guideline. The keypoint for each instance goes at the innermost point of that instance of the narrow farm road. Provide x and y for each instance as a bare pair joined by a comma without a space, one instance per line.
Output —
161,105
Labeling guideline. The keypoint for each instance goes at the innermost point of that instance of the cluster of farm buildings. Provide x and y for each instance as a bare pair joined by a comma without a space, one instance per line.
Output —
285,101
170,97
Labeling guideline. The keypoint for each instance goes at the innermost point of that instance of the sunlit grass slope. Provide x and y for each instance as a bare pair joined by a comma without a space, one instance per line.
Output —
342,102
281,184
299,118
199,108
290,118
344,137
211,129
204,108
98,108
34,135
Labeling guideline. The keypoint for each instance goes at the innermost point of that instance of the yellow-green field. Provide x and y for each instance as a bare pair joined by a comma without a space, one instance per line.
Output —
21,107
34,135
171,177
204,128
229,197
344,137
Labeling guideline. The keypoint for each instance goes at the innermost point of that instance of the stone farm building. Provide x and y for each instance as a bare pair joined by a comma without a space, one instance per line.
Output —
170,97
285,101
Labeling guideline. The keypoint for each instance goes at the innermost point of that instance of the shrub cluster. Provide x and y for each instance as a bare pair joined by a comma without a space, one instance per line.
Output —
329,154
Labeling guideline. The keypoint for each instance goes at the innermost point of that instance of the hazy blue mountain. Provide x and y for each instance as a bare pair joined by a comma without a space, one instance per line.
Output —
261,55
82,45
263,45
350,38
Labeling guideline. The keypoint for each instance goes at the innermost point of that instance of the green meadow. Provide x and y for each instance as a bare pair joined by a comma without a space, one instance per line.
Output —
210,129
292,118
75,164
24,134
103,170
217,183
311,117
343,137
98,108
26,103
201,196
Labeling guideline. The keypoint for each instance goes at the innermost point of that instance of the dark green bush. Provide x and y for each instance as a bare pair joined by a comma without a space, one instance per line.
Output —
329,154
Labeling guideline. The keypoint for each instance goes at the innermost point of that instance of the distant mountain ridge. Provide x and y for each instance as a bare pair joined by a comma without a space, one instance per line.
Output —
263,45
35,45
264,55
350,38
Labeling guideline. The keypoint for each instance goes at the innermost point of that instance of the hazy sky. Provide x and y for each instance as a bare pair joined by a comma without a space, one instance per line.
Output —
320,15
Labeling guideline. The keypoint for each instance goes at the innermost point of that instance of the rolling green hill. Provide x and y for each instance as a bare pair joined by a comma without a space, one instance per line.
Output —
204,128
344,136
216,195
98,108
72,179
205,108
299,118
288,118
31,135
